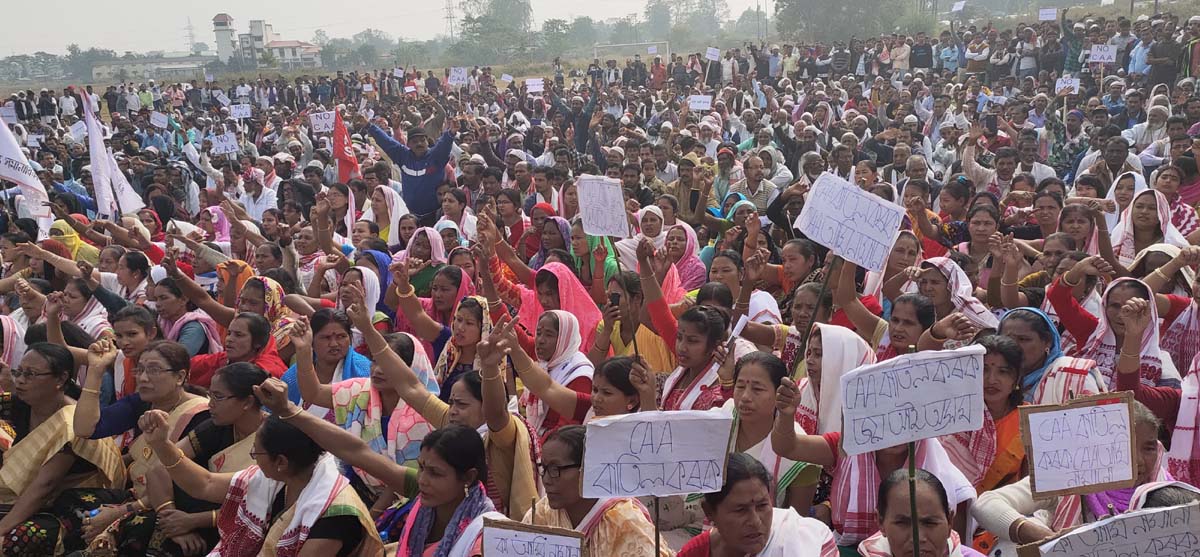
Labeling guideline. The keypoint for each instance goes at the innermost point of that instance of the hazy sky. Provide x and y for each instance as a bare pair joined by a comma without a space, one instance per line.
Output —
160,26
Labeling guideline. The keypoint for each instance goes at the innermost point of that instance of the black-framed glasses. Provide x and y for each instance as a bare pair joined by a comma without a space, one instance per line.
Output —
150,371
256,454
25,374
219,398
554,472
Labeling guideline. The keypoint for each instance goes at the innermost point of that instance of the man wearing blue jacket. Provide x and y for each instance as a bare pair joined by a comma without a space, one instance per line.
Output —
422,169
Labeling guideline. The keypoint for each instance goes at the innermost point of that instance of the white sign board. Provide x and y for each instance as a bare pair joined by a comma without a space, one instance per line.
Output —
9,114
535,85
602,206
699,102
656,453
506,78
410,89
34,140
912,397
368,88
239,111
322,122
79,130
1067,85
1047,14
158,119
504,538
856,224
208,78
1153,532
224,144
398,72
652,49
223,99
1082,446
712,53
1103,53
958,6
458,76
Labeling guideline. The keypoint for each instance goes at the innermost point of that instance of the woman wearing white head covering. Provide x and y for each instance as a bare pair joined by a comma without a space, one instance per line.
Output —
1123,198
840,350
651,228
566,364
955,294
1143,225
384,197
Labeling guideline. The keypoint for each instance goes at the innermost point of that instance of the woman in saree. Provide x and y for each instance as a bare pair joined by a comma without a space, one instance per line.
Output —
180,321
427,247
1147,221
42,456
386,209
481,405
595,260
290,501
450,285
616,526
79,306
650,227
371,407
222,444
161,376
856,479
624,327
938,538
946,285
79,249
248,339
745,522
1015,516
683,252
331,358
556,346
1181,339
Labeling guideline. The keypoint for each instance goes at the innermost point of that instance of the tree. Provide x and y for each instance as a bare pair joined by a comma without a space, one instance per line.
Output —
268,59
820,20
79,62
625,30
583,31
366,54
556,37
752,23
658,19
320,38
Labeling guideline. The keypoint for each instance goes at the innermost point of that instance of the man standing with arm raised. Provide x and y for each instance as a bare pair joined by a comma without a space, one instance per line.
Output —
422,168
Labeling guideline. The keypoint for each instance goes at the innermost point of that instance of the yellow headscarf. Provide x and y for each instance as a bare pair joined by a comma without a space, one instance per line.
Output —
80,250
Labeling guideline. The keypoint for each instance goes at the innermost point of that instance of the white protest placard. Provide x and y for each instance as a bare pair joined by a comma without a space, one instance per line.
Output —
856,224
458,76
699,102
602,206
1066,84
398,72
1082,446
208,78
1047,14
322,122
652,49
656,453
1103,53
368,88
224,144
535,85
239,111
1153,532
79,130
504,538
34,139
223,99
958,6
158,120
506,78
9,114
912,397
410,89
712,53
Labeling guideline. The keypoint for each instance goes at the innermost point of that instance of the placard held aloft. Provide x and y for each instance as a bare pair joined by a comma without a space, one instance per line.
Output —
1082,446
856,224
602,206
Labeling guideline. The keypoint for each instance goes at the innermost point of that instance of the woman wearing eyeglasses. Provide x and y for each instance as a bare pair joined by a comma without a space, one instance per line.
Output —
611,526
161,374
47,457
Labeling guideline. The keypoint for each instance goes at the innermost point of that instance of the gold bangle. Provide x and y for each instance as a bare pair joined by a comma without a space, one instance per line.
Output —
411,292
93,391
1069,283
498,375
177,460
292,415
1002,283
159,508
141,506
214,517
1137,356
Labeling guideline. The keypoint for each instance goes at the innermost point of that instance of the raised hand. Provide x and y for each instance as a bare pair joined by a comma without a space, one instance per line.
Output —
101,354
1135,314
272,393
645,383
955,326
154,426
787,397
645,250
301,334
54,304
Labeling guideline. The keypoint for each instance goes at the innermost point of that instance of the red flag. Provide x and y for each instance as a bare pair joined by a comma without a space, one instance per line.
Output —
343,151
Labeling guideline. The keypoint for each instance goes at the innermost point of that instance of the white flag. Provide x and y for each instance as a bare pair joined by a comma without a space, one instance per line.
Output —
15,167
127,199
106,204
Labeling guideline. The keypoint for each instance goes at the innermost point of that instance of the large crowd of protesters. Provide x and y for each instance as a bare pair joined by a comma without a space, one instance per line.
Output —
368,340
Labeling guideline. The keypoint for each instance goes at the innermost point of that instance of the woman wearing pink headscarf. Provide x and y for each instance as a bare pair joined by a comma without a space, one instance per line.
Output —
212,221
683,250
